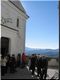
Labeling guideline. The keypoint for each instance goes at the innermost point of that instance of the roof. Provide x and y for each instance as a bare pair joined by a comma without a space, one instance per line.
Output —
18,4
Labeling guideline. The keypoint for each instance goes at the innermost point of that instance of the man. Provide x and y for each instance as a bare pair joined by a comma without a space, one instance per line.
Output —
44,67
18,60
39,64
33,60
8,62
12,64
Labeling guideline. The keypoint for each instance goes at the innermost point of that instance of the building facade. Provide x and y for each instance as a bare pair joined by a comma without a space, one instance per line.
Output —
13,27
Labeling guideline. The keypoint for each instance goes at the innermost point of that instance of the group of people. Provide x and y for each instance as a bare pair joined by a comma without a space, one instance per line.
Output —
41,62
10,63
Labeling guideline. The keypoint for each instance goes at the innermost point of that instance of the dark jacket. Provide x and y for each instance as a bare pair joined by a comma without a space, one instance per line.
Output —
44,62
39,62
33,60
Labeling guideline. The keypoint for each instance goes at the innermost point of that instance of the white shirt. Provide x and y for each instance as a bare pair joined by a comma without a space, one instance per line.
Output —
3,62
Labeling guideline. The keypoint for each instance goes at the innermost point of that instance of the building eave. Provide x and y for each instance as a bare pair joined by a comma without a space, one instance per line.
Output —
19,9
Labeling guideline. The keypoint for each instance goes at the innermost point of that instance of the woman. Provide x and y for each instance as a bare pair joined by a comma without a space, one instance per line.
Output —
23,59
3,65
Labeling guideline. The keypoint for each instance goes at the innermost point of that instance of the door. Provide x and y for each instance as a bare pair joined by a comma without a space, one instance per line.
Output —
4,46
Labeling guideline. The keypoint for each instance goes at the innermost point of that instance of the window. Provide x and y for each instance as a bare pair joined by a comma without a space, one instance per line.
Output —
17,22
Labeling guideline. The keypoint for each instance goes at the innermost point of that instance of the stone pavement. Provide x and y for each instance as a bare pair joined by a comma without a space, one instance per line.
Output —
51,73
20,74
24,73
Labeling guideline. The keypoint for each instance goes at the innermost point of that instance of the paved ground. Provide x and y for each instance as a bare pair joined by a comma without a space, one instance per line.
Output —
26,74
50,73
20,74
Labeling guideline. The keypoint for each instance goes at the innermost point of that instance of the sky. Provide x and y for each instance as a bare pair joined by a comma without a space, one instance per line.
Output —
42,26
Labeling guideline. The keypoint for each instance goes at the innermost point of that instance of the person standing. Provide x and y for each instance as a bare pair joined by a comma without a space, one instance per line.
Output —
3,65
18,60
39,64
44,67
33,61
8,62
12,64
23,60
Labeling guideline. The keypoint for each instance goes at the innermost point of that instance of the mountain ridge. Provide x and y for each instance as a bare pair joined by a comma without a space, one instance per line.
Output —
48,52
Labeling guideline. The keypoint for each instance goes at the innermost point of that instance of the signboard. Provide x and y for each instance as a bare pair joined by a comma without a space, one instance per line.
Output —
6,20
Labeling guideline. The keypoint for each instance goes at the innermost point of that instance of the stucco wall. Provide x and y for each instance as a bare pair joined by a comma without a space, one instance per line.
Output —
17,38
8,10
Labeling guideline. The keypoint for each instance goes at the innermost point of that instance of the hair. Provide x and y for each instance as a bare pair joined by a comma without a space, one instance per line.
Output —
13,55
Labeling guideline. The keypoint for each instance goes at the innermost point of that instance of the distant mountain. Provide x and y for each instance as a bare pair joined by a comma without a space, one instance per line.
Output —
28,49
48,52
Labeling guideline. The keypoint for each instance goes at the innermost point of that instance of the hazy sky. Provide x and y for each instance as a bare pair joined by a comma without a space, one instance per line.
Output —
42,27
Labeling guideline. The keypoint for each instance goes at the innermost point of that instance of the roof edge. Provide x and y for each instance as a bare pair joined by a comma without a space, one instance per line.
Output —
19,8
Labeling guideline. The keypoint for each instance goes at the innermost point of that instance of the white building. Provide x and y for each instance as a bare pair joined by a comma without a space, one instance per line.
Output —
13,27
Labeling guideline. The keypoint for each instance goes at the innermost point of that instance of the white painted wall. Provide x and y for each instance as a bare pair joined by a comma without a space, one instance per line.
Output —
17,38
8,10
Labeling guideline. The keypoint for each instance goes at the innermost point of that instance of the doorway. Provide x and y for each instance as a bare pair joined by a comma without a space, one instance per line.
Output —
4,46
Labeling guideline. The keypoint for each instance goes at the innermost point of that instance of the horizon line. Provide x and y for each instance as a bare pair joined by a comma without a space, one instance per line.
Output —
40,48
